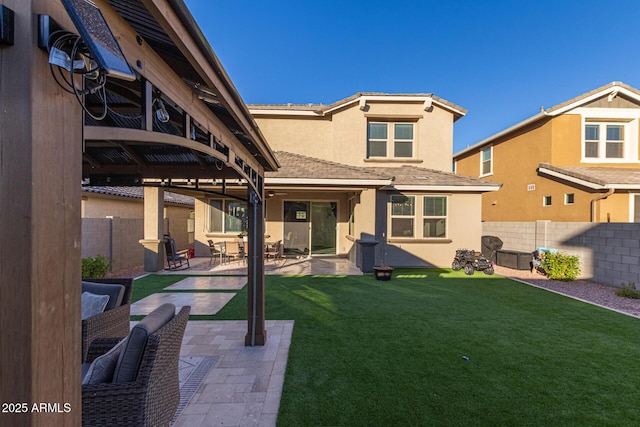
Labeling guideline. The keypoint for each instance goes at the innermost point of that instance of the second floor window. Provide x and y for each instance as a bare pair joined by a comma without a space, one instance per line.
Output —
390,140
604,141
486,161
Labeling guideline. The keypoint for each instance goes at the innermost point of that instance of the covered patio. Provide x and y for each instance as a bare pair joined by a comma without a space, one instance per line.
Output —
178,123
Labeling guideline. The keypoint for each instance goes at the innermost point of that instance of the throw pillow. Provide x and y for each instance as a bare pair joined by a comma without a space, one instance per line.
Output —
93,304
101,369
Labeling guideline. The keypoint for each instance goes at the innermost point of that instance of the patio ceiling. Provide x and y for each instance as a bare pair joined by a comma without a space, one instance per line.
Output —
209,133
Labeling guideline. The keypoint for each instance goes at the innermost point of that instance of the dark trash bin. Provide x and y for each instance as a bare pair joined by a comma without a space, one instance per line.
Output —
366,255
489,246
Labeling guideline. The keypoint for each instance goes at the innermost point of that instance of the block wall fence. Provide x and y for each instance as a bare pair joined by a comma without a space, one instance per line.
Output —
118,239
609,252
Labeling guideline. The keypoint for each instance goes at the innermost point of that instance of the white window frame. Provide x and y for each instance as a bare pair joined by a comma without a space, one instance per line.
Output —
490,161
566,199
411,216
390,141
627,117
445,216
544,200
225,203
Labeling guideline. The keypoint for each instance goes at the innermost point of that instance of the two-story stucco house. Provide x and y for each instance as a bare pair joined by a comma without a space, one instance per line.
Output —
577,161
370,169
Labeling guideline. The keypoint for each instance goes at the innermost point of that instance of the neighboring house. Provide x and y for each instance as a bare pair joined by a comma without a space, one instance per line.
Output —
370,168
577,161
113,223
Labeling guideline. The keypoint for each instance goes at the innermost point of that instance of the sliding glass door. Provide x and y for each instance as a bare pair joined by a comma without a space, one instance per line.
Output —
310,228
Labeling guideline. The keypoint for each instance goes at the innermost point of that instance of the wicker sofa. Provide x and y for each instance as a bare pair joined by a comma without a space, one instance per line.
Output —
146,393
110,323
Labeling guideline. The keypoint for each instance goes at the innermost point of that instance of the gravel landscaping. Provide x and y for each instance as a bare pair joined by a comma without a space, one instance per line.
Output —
586,290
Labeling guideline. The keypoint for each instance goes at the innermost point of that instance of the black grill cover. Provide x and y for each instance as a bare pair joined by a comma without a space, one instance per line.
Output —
490,244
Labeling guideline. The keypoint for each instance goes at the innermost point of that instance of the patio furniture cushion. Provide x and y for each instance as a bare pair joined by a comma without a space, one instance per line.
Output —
101,369
115,292
129,361
93,304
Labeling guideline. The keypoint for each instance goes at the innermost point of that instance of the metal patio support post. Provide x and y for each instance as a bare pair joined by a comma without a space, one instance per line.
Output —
256,333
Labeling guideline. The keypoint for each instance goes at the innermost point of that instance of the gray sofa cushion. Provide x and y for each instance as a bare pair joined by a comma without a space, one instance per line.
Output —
101,369
129,362
115,292
93,304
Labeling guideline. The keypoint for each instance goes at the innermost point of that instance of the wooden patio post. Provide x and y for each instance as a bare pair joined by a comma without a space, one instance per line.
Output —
256,332
40,231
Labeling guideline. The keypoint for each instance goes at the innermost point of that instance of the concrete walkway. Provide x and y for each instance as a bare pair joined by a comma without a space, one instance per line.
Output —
244,386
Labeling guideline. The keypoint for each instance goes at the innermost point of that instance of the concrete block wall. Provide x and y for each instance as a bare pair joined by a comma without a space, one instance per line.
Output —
609,252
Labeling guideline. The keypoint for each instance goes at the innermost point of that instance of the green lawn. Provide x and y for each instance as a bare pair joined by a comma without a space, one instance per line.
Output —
369,353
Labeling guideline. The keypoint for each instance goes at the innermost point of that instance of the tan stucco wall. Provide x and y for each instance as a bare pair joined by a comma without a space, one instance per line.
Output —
101,206
342,136
464,231
303,135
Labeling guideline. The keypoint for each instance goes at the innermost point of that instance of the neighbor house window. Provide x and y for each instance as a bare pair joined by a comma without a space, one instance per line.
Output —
546,201
390,139
434,216
568,199
228,216
486,161
402,216
604,140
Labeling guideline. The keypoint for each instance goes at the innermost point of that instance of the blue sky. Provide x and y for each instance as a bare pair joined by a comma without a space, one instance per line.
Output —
501,60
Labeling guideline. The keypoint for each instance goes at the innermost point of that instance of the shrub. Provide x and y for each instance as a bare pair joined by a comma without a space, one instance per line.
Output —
559,266
97,266
628,291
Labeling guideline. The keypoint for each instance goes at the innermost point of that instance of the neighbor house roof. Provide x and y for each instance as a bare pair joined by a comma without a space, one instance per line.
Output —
312,109
595,177
138,193
611,89
296,169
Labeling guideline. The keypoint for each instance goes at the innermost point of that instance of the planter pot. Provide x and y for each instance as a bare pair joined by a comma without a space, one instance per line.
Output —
383,273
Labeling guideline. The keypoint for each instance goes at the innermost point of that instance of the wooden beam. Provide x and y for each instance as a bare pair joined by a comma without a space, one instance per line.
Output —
40,230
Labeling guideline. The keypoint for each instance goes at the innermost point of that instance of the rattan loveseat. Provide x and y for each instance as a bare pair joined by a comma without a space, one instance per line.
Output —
148,393
110,323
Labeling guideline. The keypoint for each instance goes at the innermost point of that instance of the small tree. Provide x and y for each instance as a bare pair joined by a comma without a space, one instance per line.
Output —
559,266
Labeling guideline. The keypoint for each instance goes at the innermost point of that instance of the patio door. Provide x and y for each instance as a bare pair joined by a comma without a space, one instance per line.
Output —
310,228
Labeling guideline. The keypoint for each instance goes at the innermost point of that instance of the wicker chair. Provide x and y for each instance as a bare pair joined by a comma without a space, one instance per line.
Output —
111,323
153,397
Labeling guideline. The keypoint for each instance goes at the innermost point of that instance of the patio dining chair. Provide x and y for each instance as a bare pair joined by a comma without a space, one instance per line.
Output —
273,250
232,251
216,251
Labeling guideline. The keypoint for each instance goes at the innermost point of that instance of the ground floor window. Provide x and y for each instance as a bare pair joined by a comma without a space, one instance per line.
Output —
429,221
228,216
402,215
434,217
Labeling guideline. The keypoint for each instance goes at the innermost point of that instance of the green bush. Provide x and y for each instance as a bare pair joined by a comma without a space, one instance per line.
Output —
628,291
559,266
97,266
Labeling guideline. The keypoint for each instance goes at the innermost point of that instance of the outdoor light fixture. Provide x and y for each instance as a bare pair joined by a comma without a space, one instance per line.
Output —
161,112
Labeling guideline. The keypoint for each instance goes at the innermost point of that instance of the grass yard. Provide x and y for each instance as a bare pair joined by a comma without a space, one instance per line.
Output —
370,353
